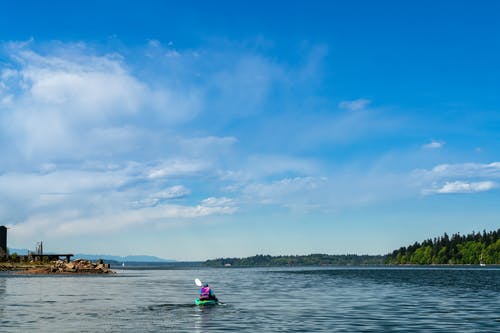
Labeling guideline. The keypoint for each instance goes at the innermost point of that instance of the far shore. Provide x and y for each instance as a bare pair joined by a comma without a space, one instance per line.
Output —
51,267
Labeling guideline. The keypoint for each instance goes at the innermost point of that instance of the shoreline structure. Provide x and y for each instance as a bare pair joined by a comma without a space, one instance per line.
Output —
40,263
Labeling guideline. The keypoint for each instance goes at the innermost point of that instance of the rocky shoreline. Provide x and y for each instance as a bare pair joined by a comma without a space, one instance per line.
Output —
78,266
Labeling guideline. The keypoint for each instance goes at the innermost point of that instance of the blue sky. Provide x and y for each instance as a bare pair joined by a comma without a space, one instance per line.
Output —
201,130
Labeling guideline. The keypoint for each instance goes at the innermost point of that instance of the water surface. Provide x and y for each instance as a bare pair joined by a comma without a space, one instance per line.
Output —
264,300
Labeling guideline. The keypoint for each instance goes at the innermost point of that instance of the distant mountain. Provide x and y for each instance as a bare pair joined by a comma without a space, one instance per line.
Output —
18,251
134,258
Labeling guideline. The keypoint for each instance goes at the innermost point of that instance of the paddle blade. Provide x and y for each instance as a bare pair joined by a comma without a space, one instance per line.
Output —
197,282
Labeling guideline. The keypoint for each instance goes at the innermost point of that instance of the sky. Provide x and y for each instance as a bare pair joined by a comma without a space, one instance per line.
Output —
192,130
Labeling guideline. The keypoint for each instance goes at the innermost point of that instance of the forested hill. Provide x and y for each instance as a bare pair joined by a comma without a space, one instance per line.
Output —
305,260
474,248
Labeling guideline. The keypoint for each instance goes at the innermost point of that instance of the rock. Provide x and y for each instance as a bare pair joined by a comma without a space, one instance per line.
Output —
78,266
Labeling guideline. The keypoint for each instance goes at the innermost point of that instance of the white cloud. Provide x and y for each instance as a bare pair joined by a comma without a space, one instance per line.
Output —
96,143
355,105
60,181
173,192
177,168
340,190
170,193
154,43
217,202
461,170
464,187
83,85
56,102
67,223
284,191
57,202
458,178
434,145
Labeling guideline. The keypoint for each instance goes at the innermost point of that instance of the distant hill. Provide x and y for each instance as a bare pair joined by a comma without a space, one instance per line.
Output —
300,260
94,257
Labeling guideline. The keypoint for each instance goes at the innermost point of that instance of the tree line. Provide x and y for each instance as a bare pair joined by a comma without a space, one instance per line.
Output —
471,249
474,248
298,260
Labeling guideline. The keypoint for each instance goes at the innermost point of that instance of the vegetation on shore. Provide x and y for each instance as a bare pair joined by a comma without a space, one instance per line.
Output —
300,260
20,266
471,249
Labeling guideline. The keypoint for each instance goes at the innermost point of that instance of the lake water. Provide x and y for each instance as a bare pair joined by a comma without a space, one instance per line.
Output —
256,300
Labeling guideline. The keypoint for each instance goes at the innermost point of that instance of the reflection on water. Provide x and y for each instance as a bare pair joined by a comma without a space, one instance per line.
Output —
2,295
202,318
265,300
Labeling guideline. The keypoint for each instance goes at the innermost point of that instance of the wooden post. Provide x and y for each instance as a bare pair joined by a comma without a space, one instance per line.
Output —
3,241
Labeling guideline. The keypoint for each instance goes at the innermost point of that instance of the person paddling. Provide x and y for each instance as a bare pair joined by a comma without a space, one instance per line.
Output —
206,293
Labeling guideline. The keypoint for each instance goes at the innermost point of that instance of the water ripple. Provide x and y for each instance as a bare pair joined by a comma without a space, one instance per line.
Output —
264,300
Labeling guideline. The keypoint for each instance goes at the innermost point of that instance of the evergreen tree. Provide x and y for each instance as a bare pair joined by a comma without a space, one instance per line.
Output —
473,248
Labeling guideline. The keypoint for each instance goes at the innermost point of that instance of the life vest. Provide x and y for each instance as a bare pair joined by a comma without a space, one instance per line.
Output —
205,293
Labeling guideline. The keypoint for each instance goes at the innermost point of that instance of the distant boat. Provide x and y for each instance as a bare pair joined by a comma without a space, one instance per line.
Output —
481,263
123,264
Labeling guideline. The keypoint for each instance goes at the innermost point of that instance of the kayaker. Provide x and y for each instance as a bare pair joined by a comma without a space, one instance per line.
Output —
206,293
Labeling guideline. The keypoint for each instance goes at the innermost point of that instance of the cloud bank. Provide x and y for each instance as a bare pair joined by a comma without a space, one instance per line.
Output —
96,140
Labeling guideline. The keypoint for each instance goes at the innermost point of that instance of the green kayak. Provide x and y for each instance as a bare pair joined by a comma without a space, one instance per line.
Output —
207,302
